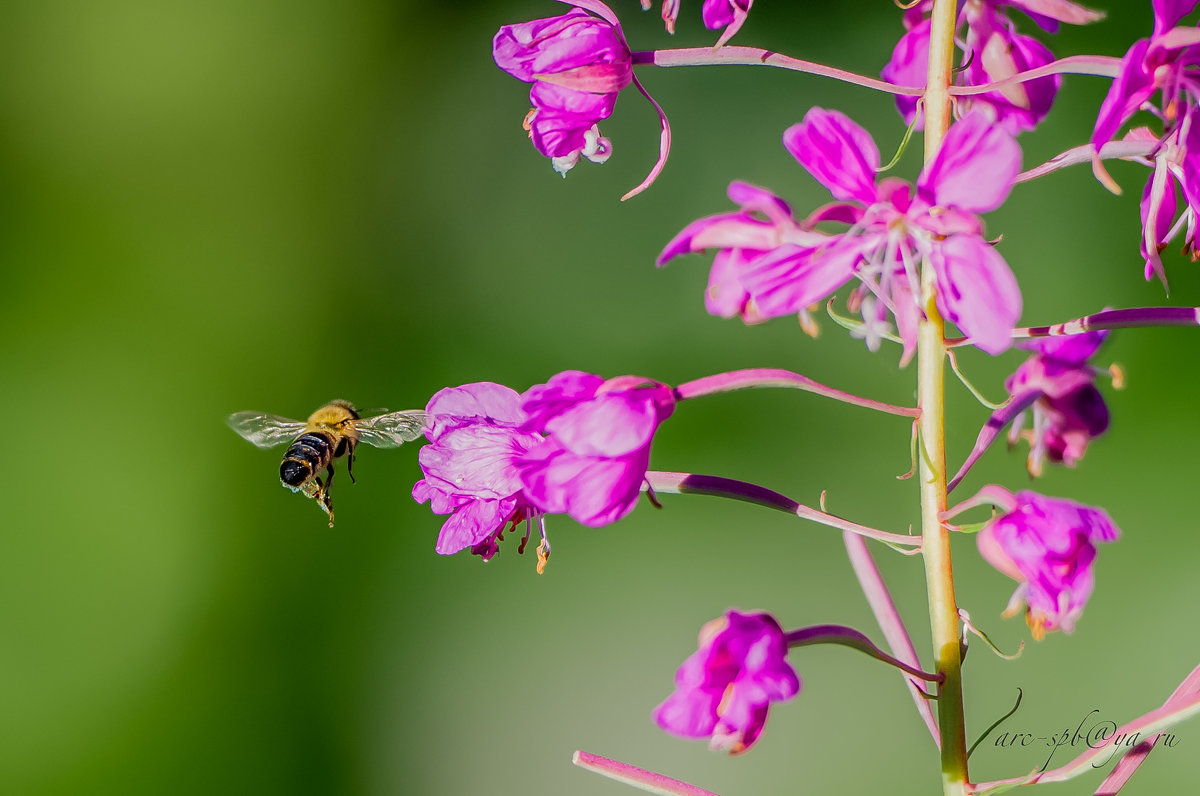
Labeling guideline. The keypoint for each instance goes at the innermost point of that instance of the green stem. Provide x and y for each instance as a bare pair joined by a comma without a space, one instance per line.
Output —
931,354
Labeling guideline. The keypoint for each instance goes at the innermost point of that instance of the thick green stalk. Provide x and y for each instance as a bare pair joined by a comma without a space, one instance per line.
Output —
931,354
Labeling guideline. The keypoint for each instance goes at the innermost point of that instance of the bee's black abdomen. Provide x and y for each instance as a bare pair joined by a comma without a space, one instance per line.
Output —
294,473
308,455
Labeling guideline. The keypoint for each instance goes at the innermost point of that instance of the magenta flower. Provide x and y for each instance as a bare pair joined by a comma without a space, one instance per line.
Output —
892,228
764,223
724,689
578,63
1068,410
1164,62
1048,545
594,461
470,467
995,52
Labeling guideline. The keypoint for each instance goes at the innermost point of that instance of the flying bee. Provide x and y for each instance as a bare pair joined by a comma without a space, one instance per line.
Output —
330,433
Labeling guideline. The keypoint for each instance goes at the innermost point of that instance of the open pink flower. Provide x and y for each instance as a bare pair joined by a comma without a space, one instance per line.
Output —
1048,545
724,689
994,51
578,63
593,463
470,466
892,228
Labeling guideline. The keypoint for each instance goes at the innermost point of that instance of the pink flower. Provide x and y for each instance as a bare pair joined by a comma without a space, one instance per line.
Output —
892,228
594,461
996,51
578,63
724,689
470,467
1048,545
1068,410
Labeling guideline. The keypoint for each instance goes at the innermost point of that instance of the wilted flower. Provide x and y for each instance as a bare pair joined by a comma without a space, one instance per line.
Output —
1068,411
670,12
578,63
728,14
724,689
593,463
892,228
1048,545
470,470
1175,159
995,51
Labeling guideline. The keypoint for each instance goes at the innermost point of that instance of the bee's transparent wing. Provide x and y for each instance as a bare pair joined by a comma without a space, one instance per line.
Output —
392,429
265,431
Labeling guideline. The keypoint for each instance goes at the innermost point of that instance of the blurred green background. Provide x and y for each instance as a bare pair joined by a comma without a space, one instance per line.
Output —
209,207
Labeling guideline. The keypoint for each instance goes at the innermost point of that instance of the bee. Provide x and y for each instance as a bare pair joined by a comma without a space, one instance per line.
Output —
330,433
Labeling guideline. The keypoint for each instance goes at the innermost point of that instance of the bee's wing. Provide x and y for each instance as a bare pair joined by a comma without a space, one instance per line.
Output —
392,429
265,431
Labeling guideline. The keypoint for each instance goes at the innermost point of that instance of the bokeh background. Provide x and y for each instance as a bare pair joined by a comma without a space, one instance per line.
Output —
209,207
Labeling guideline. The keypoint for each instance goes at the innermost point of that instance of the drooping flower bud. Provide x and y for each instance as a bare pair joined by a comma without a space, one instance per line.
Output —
724,689
1048,545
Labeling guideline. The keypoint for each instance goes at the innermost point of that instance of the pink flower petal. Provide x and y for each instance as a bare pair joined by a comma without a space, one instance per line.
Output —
841,155
977,291
1133,86
975,168
909,66
1167,13
791,278
608,425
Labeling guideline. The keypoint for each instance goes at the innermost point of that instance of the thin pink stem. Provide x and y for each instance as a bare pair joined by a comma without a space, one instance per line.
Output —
849,637
1097,65
990,495
694,483
753,56
772,377
890,622
1169,715
1130,763
1133,318
637,777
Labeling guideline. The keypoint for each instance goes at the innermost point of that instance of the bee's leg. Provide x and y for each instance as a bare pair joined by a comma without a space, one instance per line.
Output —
324,496
350,464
